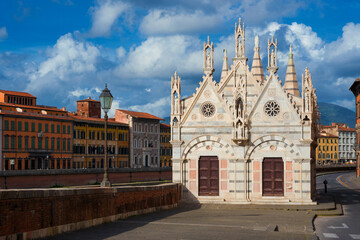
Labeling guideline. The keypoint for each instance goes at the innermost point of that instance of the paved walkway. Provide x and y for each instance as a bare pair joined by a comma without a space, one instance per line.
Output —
345,187
225,221
206,222
216,221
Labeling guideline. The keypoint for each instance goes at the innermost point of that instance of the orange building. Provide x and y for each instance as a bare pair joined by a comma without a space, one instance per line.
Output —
33,136
165,146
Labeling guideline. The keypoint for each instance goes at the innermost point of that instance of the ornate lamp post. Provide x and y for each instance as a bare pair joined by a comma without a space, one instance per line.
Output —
106,100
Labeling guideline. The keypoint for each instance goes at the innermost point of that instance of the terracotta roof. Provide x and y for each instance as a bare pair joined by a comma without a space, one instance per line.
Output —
88,100
92,119
164,125
140,114
32,107
22,94
327,135
347,129
35,115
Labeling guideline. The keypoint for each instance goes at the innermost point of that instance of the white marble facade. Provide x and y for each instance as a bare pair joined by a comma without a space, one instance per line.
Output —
240,121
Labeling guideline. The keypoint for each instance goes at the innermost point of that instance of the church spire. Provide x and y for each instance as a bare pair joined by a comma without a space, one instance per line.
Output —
256,69
291,83
225,68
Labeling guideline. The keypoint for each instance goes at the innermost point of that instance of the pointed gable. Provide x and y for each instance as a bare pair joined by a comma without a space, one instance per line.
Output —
206,106
274,105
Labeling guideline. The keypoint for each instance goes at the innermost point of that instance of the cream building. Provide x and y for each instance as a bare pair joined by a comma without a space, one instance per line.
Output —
246,138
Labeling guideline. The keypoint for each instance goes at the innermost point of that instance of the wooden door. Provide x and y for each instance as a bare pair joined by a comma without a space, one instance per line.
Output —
273,177
208,176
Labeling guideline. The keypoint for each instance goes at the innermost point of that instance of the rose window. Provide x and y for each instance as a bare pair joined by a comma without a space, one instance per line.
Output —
208,109
272,108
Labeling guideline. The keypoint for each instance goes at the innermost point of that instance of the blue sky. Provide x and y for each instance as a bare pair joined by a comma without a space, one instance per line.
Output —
65,50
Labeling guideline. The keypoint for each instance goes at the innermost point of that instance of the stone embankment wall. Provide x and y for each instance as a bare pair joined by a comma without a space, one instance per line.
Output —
335,168
76,177
35,213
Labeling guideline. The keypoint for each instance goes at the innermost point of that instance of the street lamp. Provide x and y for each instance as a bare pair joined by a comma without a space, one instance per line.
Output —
106,100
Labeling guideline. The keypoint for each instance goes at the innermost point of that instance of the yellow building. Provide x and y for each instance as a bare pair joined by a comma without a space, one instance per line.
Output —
165,146
89,138
327,149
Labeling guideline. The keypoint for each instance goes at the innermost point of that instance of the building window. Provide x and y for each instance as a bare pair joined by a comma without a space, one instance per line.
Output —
58,144
40,143
46,127
68,128
39,127
33,143
46,143
64,145
12,125
12,142
58,128
52,128
6,127
26,126
64,129
26,143
33,127
19,142
6,146
68,145
19,126
52,143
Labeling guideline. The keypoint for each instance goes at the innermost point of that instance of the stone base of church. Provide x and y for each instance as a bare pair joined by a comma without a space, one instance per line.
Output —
188,197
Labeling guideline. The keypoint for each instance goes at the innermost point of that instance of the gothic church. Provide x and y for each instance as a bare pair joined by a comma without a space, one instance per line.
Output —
246,138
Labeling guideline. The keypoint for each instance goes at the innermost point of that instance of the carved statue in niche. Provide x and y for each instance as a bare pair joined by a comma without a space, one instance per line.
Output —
240,49
239,107
208,60
307,100
272,56
176,103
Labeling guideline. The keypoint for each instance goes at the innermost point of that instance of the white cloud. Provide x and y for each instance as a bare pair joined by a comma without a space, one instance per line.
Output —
86,92
3,33
105,15
161,21
348,43
161,56
347,103
68,58
344,81
148,89
308,39
115,105
120,52
159,108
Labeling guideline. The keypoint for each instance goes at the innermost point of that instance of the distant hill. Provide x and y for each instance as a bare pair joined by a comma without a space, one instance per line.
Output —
329,113
334,113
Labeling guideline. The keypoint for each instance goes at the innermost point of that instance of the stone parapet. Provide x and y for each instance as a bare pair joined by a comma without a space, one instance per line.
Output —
30,214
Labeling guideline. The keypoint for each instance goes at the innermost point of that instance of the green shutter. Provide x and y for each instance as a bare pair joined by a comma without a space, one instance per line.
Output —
19,142
6,142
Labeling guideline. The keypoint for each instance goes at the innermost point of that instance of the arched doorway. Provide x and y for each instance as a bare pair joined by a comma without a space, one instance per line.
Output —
208,176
